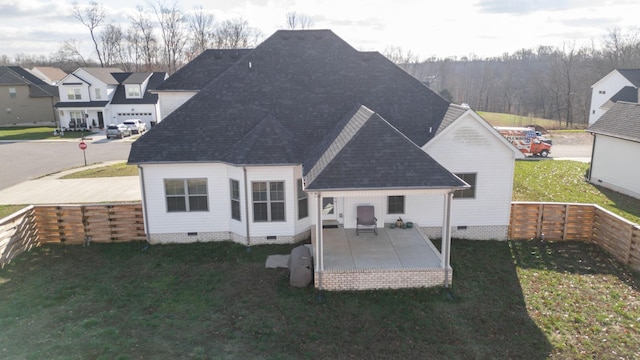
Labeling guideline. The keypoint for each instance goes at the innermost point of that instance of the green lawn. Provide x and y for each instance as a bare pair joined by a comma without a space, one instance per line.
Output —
512,300
36,133
501,119
119,169
564,181
6,210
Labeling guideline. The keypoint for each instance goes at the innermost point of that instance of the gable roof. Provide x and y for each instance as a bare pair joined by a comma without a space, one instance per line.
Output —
16,75
360,158
621,121
103,74
48,73
633,75
303,81
453,113
155,79
627,94
203,69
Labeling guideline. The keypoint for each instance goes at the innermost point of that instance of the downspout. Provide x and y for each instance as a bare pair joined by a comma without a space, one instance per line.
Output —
144,205
319,248
593,149
446,238
246,205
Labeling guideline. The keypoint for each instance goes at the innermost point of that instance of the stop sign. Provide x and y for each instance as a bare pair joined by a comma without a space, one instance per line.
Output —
82,145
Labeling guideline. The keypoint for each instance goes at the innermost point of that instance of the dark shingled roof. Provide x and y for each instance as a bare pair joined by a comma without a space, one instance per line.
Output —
299,85
80,104
369,153
203,69
15,75
627,94
119,97
633,75
621,121
453,113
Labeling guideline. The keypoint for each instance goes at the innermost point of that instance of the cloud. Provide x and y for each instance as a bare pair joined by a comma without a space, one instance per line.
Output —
522,7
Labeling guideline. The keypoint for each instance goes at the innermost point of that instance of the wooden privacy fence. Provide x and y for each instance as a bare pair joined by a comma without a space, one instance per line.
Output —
592,223
77,224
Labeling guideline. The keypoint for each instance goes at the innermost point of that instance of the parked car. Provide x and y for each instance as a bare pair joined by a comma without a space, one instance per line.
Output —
136,126
118,131
543,138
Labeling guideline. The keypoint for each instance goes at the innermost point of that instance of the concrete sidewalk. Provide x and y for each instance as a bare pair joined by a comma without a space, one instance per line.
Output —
51,189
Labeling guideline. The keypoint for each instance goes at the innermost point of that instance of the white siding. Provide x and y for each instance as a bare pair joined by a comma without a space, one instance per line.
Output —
614,165
470,146
603,90
171,100
168,225
122,112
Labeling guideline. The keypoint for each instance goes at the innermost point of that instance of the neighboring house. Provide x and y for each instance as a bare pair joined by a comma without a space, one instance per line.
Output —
618,85
189,79
304,128
96,97
25,99
616,144
50,75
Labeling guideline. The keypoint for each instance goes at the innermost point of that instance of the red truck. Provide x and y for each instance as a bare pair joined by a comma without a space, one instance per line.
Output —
526,140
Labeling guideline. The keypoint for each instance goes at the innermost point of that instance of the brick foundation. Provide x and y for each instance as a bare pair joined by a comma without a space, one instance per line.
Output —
492,232
369,279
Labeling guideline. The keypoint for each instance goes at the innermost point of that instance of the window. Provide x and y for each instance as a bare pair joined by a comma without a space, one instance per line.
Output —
8,110
98,94
74,94
303,202
133,91
235,199
12,93
186,195
469,178
268,201
395,205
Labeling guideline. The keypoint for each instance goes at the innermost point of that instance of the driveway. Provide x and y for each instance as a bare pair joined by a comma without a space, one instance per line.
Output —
27,160
572,146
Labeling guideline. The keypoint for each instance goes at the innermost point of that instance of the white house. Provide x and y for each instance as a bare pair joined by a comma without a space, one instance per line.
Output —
95,97
302,130
616,144
618,85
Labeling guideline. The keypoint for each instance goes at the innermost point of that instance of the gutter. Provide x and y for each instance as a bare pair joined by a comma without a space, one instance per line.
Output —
246,205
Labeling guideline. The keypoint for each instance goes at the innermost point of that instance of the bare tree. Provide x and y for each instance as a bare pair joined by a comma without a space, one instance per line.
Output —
172,26
69,54
297,20
236,33
143,43
398,56
112,40
202,29
92,17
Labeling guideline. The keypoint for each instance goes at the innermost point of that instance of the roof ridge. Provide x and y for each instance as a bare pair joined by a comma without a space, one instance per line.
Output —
249,140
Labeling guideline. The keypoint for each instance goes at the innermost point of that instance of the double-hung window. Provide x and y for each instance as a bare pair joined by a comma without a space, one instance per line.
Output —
268,201
470,193
235,199
74,94
12,93
186,195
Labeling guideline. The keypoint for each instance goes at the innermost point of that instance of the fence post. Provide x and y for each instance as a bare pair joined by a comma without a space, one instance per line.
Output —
540,218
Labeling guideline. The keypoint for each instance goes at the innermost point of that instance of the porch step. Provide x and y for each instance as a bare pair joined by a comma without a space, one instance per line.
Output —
330,224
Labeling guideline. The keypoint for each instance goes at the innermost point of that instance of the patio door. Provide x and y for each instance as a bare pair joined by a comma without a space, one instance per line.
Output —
329,208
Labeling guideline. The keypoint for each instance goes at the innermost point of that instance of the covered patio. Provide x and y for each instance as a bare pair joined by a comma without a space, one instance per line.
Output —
394,258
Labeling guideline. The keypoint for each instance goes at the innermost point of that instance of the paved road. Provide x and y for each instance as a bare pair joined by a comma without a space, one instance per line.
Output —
27,160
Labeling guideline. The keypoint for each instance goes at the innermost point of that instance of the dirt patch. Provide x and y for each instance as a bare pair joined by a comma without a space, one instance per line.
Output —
571,138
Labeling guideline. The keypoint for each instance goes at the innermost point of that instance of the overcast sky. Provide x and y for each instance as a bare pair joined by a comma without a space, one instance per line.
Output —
441,28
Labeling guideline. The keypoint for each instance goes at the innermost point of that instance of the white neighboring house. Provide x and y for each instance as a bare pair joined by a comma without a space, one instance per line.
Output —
96,97
618,85
614,162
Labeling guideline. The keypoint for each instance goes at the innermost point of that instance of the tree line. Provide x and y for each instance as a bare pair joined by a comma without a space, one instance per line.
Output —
548,82
160,36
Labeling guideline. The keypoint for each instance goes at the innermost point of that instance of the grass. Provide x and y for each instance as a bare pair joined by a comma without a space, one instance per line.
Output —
119,169
6,210
36,133
564,181
501,119
517,300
